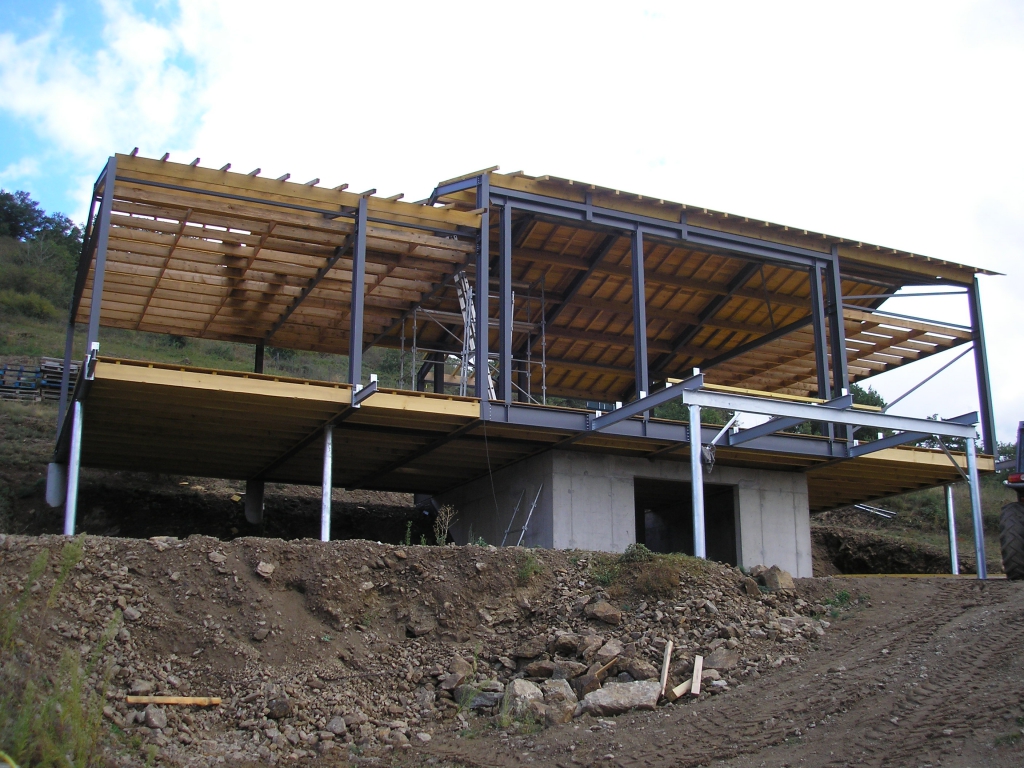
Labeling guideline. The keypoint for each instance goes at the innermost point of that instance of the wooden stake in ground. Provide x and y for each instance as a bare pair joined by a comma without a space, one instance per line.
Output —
195,701
666,659
698,667
674,694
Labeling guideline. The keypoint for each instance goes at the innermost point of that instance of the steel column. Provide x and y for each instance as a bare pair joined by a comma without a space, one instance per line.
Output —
505,308
979,529
988,422
837,340
99,272
951,526
254,487
697,484
254,501
819,322
355,342
65,376
643,385
325,501
74,461
439,375
837,328
483,265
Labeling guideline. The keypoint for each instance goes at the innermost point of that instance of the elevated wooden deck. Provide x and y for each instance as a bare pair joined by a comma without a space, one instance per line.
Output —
163,418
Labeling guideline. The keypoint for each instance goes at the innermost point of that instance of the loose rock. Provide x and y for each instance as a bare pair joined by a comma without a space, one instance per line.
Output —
518,696
279,707
616,698
155,717
604,611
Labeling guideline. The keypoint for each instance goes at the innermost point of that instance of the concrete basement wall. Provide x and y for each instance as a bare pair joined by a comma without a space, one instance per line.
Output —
587,502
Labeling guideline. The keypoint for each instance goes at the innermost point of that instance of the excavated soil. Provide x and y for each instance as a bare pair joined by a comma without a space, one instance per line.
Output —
360,638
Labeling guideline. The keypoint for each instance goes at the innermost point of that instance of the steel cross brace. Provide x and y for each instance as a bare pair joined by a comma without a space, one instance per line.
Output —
635,408
806,412
780,423
907,437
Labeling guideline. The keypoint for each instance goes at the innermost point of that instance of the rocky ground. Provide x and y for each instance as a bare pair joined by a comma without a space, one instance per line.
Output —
354,647
356,652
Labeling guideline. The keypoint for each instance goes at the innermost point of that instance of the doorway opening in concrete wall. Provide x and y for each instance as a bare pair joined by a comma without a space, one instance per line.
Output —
664,518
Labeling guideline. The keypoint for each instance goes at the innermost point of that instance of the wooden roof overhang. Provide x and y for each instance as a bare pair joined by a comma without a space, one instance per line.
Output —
175,419
220,255
744,320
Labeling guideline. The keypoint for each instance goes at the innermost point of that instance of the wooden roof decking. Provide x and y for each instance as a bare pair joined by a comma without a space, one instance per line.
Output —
222,255
175,419
185,259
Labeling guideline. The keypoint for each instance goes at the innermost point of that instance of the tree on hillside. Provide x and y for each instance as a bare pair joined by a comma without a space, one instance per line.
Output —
38,256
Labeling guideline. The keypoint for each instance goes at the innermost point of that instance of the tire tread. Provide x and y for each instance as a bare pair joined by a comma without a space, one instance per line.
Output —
1011,540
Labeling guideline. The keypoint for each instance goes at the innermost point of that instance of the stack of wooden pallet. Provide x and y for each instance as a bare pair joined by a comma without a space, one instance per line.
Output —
38,382
51,370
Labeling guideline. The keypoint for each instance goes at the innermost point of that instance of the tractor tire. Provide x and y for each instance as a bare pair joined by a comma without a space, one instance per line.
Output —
1011,540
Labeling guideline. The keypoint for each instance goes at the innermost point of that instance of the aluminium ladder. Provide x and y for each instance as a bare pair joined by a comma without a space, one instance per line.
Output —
465,292
529,516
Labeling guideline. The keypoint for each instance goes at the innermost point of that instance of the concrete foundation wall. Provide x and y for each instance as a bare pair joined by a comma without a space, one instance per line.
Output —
587,502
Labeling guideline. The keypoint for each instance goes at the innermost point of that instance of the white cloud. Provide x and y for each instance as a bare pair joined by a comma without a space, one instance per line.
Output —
88,105
19,170
889,123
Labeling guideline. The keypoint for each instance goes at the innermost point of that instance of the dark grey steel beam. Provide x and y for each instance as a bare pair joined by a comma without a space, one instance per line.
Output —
906,437
483,265
100,270
574,287
780,423
819,322
988,420
837,337
313,282
760,341
695,237
651,401
88,245
712,308
355,342
505,308
640,361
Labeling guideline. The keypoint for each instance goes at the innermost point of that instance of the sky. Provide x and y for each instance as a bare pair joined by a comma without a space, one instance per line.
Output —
896,123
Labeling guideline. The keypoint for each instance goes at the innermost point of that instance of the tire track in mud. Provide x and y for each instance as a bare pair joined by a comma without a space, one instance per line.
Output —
907,683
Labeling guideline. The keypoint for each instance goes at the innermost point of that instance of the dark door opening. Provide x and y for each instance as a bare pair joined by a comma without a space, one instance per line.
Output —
664,518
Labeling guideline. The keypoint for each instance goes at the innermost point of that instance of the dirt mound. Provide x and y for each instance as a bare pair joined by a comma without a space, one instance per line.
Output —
841,550
318,649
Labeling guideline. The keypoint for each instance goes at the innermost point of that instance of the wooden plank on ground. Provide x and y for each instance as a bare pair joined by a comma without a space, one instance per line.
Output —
195,701
698,668
665,661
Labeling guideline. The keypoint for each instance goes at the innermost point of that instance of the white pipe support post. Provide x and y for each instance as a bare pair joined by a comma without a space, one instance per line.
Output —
74,460
951,523
697,483
325,503
979,530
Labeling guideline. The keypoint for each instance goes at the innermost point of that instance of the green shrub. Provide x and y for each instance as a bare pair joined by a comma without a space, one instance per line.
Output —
27,304
637,553
529,566
50,716
657,579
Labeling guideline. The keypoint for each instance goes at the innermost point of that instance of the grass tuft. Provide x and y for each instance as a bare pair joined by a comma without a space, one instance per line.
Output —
51,717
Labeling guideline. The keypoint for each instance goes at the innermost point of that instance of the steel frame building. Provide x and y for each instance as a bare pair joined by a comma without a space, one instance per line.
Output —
647,302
